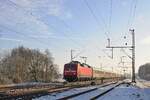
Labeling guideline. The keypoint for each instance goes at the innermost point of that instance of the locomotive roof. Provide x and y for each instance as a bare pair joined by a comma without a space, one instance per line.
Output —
86,65
75,62
82,64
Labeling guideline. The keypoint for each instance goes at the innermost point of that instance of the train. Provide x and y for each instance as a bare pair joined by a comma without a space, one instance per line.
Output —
77,71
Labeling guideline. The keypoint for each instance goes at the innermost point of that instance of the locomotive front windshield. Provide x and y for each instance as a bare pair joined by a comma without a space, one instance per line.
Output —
69,67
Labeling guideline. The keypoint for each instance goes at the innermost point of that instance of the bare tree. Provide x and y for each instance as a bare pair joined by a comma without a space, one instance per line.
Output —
24,64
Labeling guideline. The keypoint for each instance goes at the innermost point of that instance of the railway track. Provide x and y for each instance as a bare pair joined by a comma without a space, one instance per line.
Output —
13,92
21,91
32,94
28,93
28,86
103,93
75,96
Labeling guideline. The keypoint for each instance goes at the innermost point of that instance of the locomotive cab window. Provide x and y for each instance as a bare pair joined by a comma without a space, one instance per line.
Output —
70,67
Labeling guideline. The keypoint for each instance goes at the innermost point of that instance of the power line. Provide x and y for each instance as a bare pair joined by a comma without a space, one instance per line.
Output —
95,17
110,17
66,25
52,26
84,59
66,35
49,24
132,13
23,35
97,20
103,20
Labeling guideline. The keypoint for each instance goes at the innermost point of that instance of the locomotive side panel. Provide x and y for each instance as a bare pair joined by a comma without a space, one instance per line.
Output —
85,72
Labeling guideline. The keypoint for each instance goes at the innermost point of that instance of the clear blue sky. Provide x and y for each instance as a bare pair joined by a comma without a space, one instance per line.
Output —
60,25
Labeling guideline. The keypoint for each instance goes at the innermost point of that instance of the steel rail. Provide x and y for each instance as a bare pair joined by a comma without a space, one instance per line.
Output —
84,92
105,92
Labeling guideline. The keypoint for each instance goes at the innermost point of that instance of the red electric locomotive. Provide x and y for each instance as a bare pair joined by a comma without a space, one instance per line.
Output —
75,71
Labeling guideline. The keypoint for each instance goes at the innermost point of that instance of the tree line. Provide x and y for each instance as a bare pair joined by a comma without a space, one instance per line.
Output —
144,71
27,65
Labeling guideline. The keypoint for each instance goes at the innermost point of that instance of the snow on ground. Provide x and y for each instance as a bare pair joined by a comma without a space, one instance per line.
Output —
55,96
127,93
89,95
143,83
122,92
86,96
